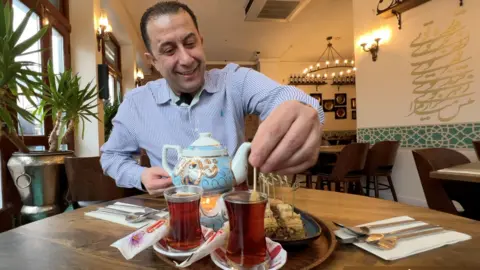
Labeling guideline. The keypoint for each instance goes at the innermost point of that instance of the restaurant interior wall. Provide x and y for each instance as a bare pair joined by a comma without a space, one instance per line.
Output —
403,100
85,58
281,71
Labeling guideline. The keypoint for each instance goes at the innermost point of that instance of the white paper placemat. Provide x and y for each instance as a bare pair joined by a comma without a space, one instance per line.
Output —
120,219
407,247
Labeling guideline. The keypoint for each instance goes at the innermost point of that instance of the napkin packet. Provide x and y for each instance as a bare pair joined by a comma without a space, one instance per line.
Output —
148,235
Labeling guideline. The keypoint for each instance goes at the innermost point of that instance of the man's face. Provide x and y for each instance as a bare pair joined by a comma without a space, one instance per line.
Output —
177,51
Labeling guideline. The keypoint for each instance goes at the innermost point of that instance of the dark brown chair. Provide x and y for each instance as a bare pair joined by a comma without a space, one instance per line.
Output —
87,183
6,218
348,168
380,161
476,146
440,193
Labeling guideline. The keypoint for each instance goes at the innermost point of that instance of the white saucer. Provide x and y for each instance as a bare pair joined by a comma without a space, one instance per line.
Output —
278,260
163,249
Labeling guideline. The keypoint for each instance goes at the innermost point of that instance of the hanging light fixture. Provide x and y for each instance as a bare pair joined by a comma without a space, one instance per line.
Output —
332,65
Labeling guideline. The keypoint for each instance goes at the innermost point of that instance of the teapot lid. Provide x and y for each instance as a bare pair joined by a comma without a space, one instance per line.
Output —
205,146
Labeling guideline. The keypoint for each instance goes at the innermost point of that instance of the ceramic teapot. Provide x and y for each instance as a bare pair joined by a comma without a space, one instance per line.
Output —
206,163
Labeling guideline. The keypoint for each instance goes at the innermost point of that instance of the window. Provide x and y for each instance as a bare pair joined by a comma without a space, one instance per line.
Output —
111,57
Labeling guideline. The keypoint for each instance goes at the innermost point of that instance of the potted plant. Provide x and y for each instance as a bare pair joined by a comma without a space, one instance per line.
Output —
17,78
110,110
38,175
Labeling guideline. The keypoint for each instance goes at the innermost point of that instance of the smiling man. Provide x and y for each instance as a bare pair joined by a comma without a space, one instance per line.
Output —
190,100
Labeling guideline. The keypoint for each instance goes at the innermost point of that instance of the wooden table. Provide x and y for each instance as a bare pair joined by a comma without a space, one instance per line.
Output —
74,241
466,172
331,149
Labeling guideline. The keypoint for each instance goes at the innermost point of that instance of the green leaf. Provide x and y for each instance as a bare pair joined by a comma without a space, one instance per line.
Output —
20,29
2,22
35,51
7,13
20,48
5,117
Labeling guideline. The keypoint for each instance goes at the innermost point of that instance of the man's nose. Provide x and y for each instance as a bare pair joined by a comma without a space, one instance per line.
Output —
184,57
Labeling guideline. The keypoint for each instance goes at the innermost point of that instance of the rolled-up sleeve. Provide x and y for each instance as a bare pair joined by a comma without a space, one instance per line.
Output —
117,153
261,95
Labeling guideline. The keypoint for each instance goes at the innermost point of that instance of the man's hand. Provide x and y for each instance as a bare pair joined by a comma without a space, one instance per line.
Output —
156,180
287,142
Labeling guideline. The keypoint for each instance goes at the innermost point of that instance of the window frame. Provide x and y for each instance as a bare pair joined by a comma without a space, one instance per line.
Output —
116,72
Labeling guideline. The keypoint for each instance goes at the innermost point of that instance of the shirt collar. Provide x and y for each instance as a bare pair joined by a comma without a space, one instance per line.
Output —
162,92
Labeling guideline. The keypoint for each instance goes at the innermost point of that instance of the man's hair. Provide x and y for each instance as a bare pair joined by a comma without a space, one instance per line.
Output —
159,9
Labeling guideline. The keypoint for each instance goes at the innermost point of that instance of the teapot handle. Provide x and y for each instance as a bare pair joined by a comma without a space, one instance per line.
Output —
165,165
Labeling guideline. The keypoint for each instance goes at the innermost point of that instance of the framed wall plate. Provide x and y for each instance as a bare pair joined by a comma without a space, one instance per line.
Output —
341,99
317,96
353,103
340,113
354,115
328,105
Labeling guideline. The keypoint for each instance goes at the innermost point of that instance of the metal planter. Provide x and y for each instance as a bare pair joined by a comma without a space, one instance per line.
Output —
41,181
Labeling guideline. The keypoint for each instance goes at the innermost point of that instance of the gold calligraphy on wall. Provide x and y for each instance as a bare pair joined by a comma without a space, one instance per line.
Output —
442,71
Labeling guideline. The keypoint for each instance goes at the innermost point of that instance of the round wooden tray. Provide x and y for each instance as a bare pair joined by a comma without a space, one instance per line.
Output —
306,257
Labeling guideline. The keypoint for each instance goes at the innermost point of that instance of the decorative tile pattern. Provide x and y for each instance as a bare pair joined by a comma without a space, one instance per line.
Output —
448,136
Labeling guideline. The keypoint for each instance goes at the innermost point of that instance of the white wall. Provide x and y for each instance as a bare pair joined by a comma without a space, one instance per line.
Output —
281,71
85,57
386,88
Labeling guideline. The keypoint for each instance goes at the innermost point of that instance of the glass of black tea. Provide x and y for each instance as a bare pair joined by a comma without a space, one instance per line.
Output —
185,233
246,247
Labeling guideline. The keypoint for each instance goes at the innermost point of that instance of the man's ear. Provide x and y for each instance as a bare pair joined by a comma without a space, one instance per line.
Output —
150,58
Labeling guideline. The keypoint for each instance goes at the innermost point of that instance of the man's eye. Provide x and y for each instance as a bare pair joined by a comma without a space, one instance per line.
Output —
168,51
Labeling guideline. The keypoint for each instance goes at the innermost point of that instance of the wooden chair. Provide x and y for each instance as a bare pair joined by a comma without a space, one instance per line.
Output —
476,145
440,193
348,168
87,183
380,161
6,218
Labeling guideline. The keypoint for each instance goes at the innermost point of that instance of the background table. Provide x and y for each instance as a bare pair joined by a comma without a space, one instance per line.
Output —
74,241
331,149
466,172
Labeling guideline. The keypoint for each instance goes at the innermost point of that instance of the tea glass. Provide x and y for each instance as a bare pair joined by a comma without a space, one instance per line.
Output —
246,247
185,234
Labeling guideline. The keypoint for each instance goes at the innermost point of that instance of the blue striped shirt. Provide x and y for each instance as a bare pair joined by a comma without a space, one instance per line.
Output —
148,119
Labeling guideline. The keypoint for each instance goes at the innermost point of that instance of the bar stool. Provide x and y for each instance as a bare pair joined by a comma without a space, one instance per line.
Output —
380,161
347,170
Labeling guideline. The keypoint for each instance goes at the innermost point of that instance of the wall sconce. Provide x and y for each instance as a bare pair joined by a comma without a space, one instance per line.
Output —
102,30
139,74
373,49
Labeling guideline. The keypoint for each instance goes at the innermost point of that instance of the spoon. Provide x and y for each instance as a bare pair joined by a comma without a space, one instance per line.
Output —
376,237
131,217
390,242
365,230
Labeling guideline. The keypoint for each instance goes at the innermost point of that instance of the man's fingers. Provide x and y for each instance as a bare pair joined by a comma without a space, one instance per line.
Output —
157,171
289,145
160,183
308,152
269,134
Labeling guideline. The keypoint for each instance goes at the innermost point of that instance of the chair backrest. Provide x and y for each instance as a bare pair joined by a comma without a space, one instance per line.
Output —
6,218
476,145
382,156
433,159
351,159
86,181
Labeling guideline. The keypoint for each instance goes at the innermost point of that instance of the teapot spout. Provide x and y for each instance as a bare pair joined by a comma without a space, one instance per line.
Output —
240,163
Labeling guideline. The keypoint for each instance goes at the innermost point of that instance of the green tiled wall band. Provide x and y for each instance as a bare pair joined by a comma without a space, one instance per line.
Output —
449,135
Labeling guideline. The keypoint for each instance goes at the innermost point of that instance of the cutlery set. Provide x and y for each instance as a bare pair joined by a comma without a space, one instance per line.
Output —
386,241
135,217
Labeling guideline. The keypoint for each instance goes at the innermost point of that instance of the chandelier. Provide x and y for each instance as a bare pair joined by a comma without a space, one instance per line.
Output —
331,66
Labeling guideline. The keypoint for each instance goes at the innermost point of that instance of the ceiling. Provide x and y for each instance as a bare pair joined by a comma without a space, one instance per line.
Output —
228,37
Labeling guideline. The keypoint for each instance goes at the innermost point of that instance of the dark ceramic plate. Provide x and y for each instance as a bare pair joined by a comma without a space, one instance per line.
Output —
312,231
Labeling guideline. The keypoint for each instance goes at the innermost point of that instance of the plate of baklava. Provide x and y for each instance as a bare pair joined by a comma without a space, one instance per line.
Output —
288,225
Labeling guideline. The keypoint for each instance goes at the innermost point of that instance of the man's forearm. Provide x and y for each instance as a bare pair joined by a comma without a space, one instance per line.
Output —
124,169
